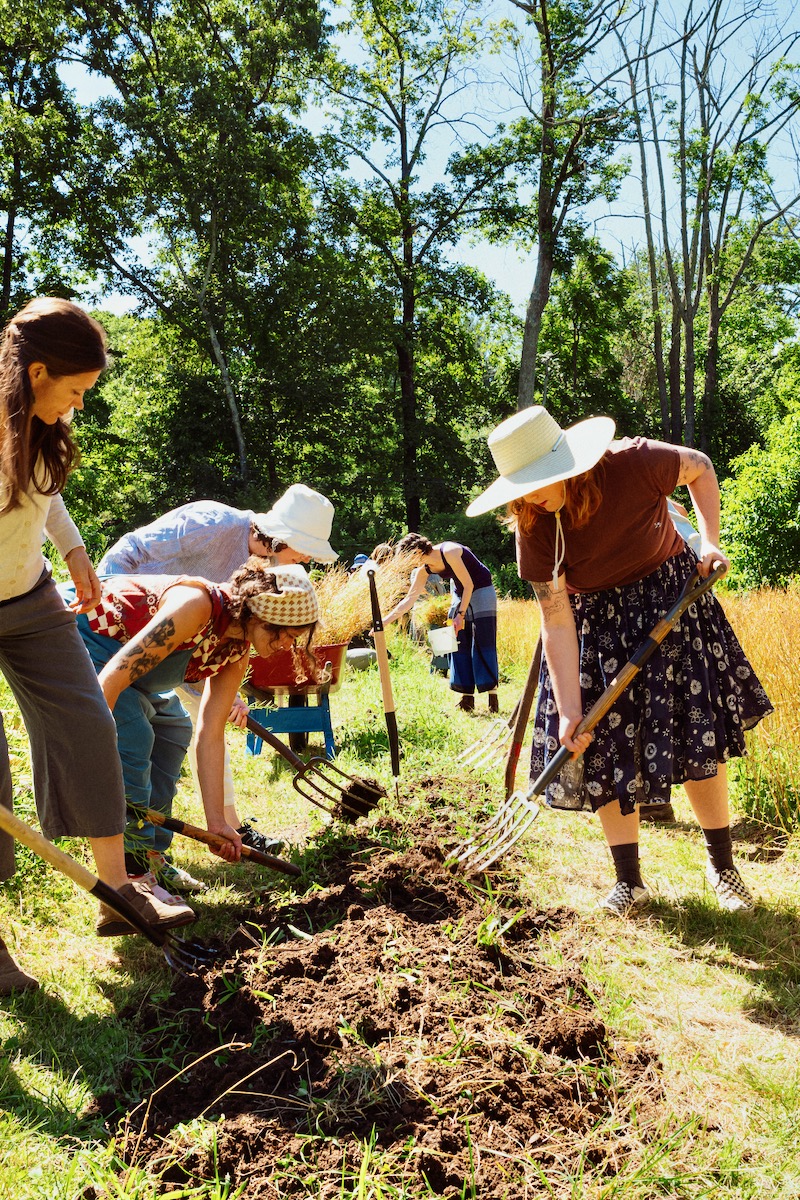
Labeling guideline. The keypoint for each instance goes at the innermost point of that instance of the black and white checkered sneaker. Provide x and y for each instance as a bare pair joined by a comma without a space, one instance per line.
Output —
257,840
624,898
730,889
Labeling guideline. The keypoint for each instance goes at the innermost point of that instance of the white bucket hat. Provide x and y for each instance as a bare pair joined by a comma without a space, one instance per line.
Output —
295,604
303,519
531,450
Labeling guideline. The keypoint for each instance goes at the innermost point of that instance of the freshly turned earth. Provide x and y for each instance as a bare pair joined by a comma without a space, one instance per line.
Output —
397,1004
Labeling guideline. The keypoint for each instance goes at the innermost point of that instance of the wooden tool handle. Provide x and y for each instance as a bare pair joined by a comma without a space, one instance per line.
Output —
216,839
275,742
692,590
35,841
78,873
385,678
522,716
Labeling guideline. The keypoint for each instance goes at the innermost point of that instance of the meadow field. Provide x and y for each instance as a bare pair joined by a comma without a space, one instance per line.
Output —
381,1026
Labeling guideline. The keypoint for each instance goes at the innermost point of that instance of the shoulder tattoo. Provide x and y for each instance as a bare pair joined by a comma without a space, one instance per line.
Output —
693,463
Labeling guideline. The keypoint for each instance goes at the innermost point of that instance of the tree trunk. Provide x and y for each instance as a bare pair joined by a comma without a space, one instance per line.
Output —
230,394
675,393
408,410
533,324
8,264
709,413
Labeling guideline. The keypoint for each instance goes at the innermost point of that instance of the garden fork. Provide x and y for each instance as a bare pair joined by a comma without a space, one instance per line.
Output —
518,812
487,750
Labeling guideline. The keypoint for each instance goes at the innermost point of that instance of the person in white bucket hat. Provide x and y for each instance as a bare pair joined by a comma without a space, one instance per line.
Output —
208,539
595,540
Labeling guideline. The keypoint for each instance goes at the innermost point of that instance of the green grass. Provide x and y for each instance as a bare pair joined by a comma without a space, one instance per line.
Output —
717,996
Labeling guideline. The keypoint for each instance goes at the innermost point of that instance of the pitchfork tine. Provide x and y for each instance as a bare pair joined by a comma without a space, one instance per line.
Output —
513,819
188,958
481,753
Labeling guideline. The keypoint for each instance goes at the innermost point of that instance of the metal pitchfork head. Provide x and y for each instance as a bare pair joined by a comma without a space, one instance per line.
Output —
513,818
184,957
488,749
314,779
355,798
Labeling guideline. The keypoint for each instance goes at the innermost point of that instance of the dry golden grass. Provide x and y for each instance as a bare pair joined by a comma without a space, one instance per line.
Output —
432,611
344,599
517,631
767,623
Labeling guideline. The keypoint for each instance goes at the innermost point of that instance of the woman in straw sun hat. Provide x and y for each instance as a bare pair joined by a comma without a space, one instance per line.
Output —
211,539
149,633
595,540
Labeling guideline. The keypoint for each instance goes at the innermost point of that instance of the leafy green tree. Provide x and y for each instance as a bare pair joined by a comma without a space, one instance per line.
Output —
39,128
191,189
712,108
761,509
563,149
589,316
413,71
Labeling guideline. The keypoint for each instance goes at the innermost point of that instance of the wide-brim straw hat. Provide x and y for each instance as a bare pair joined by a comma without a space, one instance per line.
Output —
303,519
531,451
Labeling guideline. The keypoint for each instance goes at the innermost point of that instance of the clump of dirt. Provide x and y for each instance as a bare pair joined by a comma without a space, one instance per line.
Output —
358,798
396,1010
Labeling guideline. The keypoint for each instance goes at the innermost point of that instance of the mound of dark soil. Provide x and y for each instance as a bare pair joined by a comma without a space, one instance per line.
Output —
397,1010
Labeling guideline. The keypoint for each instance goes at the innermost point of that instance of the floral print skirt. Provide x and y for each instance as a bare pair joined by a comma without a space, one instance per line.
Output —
685,712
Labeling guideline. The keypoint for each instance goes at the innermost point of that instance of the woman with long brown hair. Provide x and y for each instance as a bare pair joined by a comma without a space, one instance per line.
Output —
52,353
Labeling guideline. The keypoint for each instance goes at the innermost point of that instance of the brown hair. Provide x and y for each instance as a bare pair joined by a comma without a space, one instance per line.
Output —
270,544
413,543
582,496
382,552
67,341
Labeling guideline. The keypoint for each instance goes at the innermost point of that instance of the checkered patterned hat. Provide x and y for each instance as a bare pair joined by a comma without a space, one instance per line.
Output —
294,605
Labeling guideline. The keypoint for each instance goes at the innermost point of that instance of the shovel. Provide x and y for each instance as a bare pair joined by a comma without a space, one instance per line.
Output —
184,957
315,781
211,839
518,812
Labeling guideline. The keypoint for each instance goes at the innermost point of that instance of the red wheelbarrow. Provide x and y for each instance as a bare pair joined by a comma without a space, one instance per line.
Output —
271,679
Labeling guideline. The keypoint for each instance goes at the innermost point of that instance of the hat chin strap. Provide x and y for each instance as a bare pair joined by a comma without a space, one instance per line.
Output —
561,545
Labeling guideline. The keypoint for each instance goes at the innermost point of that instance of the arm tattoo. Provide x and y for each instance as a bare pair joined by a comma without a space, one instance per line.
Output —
136,661
551,601
693,463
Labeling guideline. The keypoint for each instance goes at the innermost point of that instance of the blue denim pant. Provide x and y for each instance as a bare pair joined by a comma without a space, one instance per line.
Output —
474,667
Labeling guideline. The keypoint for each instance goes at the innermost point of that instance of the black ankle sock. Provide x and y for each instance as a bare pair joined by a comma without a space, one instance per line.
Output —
626,864
719,847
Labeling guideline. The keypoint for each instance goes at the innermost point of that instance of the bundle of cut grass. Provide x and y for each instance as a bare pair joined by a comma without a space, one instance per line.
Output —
432,611
344,601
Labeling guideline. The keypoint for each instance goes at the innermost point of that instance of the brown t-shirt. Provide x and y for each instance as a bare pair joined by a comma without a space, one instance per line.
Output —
630,534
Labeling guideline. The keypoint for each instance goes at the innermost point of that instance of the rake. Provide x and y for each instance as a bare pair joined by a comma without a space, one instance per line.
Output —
211,839
187,958
518,812
316,778
488,749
